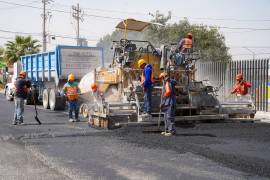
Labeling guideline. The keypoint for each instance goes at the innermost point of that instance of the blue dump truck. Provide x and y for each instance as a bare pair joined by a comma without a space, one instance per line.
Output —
48,71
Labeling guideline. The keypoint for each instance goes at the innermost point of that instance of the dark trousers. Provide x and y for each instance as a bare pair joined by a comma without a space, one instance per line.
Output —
169,118
73,106
147,100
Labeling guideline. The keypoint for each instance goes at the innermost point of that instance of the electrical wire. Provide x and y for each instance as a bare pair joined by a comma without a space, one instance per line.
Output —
18,6
39,34
62,11
181,17
118,18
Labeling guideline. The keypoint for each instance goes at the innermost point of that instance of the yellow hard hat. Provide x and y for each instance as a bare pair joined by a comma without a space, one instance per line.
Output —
141,62
71,77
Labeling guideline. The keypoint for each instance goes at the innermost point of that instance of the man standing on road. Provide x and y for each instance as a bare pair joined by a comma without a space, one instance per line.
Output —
72,91
168,104
146,83
20,94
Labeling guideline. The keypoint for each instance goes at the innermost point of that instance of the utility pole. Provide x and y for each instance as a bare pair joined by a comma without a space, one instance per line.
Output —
77,15
44,18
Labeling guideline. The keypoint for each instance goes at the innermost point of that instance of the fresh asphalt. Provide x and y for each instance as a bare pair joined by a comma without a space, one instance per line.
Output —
75,151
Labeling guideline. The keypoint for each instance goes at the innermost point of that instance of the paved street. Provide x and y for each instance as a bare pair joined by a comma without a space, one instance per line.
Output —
61,150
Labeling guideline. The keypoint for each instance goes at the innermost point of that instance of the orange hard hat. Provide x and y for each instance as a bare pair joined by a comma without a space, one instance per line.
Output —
189,34
23,74
94,86
239,76
162,75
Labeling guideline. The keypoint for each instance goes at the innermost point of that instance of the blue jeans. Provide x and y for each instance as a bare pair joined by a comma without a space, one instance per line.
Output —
179,58
19,110
73,106
147,100
169,118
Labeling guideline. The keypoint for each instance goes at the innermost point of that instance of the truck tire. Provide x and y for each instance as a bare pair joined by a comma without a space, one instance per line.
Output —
45,98
84,110
29,99
56,101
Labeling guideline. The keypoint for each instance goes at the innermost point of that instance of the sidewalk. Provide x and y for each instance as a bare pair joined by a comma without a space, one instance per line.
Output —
263,116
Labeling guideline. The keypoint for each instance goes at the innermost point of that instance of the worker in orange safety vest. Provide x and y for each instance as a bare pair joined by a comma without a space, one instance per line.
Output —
72,91
168,104
241,86
184,46
186,43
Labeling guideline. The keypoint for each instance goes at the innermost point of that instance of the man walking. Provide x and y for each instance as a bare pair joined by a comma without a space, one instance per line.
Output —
168,104
71,90
20,94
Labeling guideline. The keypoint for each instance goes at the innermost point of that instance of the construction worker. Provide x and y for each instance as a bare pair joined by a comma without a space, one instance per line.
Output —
184,46
241,86
98,96
20,94
72,91
168,104
146,83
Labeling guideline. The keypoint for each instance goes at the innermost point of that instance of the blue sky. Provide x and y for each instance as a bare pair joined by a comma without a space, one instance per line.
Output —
228,14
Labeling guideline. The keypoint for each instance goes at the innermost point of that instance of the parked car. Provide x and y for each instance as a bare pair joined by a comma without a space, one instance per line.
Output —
9,90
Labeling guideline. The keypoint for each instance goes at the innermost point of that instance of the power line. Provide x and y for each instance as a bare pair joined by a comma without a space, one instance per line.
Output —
17,32
182,17
225,19
39,34
17,6
117,18
257,54
255,47
62,11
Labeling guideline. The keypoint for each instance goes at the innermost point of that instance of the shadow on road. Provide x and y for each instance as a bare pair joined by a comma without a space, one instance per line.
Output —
196,134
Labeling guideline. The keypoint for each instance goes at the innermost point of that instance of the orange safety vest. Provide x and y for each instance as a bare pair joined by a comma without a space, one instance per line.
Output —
72,93
241,88
168,90
187,44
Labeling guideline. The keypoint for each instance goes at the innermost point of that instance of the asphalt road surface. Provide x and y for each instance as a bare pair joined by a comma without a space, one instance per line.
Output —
58,149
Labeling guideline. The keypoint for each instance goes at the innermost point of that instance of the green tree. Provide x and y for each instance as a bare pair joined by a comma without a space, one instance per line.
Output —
208,40
2,62
19,47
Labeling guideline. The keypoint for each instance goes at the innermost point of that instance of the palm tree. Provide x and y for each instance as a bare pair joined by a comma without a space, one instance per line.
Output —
21,46
2,63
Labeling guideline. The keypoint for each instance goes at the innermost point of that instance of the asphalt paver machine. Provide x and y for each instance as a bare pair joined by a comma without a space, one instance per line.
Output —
122,95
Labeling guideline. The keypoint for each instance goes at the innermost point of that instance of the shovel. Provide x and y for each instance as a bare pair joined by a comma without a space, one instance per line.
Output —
36,115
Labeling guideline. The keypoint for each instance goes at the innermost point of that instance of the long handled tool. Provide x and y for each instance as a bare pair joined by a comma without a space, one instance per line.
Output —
161,96
36,115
